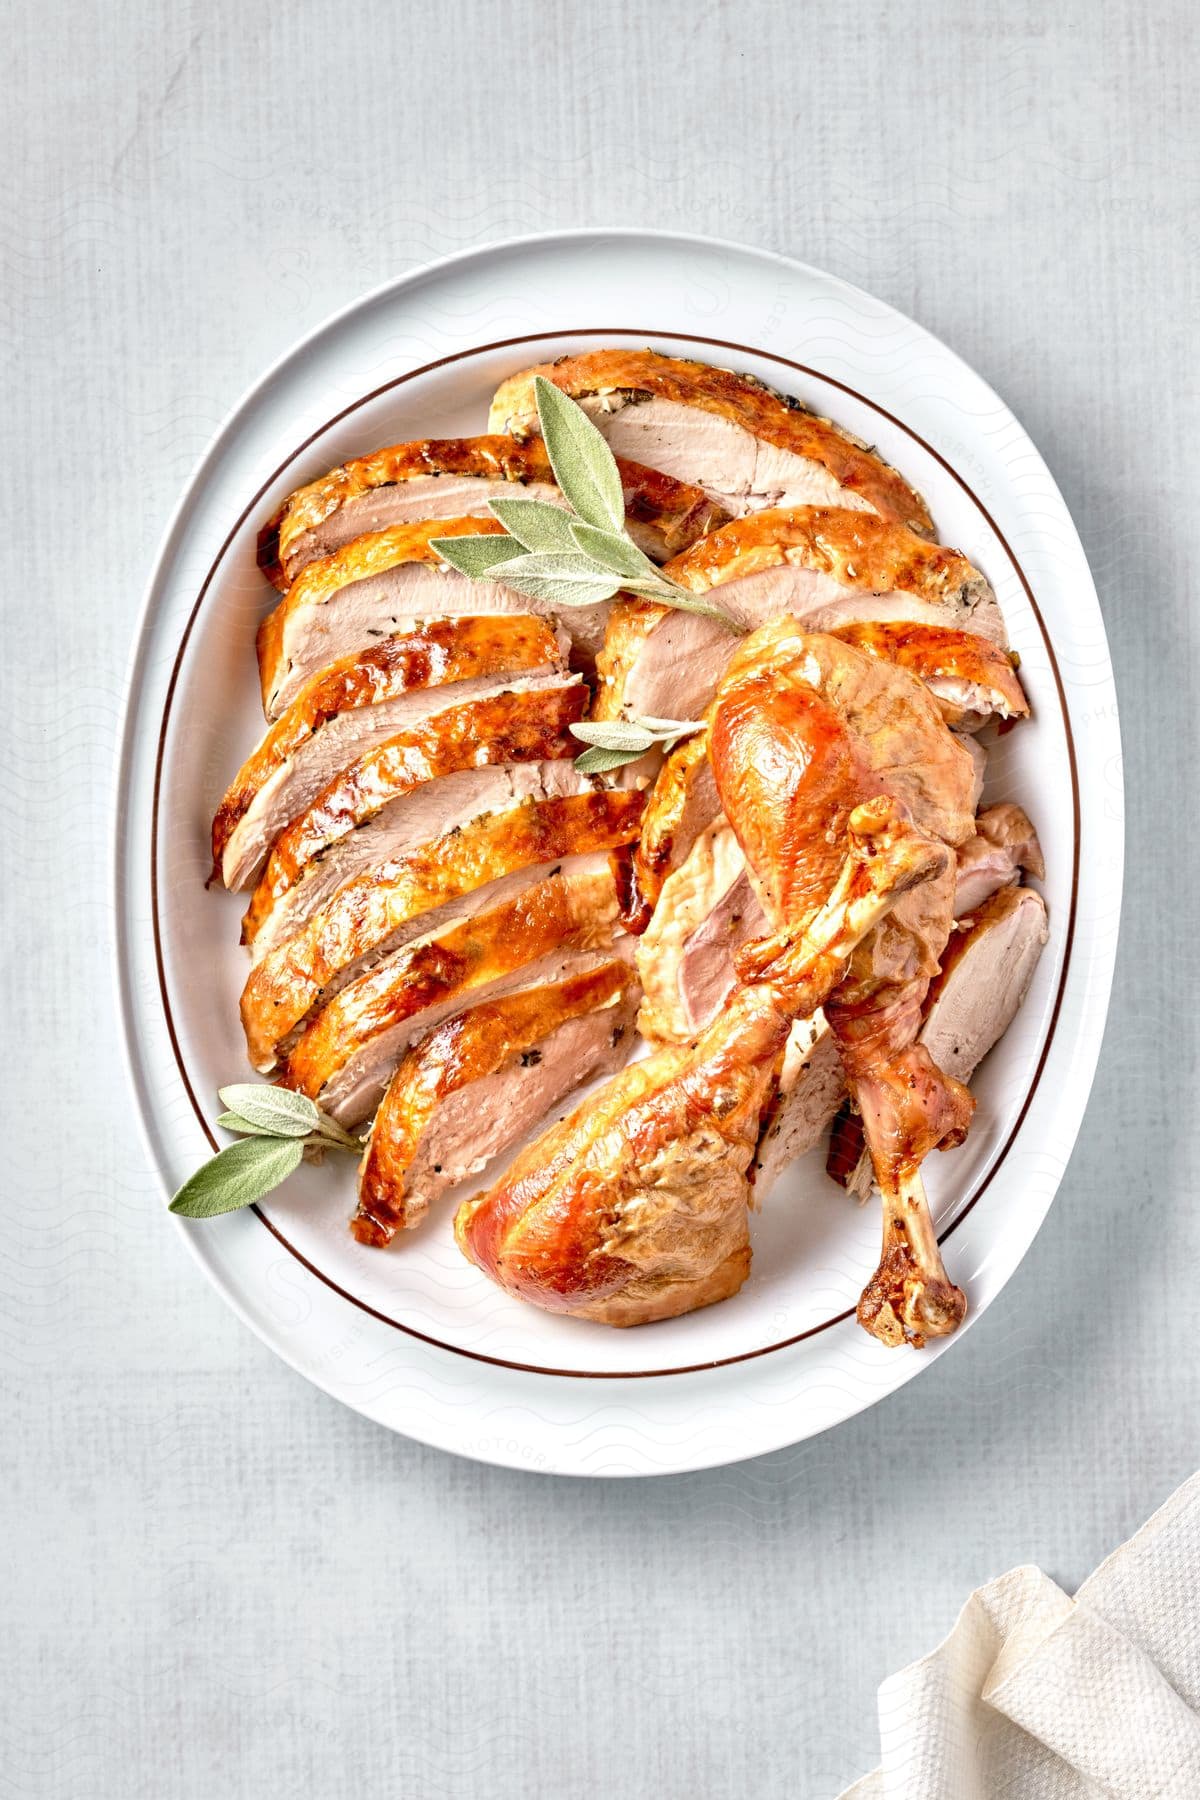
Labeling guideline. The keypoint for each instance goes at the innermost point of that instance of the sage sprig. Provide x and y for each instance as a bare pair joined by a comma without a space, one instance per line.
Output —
615,742
275,1127
580,554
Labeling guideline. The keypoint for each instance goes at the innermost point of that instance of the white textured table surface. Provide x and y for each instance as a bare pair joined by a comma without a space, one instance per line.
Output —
220,1583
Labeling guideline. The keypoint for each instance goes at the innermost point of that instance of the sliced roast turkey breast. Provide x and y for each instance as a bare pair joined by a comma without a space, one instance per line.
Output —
381,908
359,701
475,1084
297,783
826,567
706,910
681,803
441,478
520,935
435,774
436,810
388,582
1005,846
811,1089
971,678
985,975
746,445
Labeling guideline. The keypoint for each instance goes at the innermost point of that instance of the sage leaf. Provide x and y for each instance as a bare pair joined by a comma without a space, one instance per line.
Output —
238,1176
476,556
229,1121
601,762
536,524
559,580
615,734
561,595
584,466
278,1110
615,742
613,550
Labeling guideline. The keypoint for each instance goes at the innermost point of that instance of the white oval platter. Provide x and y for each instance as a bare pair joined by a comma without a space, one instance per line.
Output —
415,1338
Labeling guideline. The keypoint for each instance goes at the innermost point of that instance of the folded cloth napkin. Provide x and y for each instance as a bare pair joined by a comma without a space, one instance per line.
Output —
1034,1696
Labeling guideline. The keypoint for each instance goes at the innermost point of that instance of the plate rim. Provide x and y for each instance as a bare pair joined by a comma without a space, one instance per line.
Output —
1099,975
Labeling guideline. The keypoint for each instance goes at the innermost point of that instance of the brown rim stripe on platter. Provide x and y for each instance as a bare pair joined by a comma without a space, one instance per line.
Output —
399,381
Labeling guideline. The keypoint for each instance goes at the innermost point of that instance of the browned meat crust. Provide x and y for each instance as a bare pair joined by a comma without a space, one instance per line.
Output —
559,913
442,651
356,561
774,417
458,1052
856,549
667,832
367,911
938,655
504,727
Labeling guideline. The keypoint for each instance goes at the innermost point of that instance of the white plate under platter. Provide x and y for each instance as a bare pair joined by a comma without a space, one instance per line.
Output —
414,1337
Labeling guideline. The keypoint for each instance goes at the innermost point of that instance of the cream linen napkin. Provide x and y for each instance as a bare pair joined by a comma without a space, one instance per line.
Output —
1034,1696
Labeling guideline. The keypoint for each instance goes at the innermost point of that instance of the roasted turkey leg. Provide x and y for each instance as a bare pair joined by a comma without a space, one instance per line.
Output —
635,1207
801,723
909,1107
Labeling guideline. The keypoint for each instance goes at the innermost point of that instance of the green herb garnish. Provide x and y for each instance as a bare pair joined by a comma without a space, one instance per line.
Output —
276,1126
574,557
